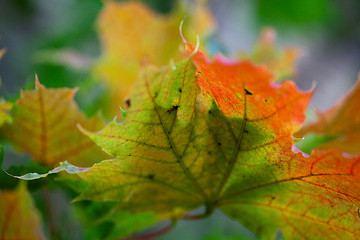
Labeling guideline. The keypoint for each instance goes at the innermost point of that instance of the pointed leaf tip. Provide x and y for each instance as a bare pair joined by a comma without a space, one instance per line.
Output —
37,82
123,112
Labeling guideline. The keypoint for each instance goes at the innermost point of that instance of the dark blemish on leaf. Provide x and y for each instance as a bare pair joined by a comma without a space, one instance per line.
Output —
128,102
170,147
129,155
265,100
247,92
243,176
209,152
180,90
246,131
273,198
219,143
151,176
173,108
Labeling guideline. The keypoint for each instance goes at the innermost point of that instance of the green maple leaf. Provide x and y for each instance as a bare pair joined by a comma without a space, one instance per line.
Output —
181,148
218,135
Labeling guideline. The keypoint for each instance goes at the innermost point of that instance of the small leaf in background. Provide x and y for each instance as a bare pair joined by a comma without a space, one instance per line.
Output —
132,35
19,218
279,62
2,52
44,125
340,124
4,106
4,115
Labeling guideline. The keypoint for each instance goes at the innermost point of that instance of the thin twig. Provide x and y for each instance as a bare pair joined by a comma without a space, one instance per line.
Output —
152,235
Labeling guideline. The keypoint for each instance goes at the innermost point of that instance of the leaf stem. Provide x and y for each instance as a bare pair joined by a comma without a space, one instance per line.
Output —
196,216
152,235
209,209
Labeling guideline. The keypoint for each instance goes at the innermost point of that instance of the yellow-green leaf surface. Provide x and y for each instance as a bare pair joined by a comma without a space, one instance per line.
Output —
132,35
4,106
158,138
45,125
19,218
4,115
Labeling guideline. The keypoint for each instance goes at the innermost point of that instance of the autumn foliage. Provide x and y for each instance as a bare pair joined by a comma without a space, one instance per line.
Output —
195,132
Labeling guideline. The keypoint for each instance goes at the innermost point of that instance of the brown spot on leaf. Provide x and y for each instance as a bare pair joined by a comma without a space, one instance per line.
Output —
247,92
173,108
128,102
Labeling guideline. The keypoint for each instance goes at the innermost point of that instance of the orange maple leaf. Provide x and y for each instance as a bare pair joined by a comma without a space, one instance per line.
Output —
341,120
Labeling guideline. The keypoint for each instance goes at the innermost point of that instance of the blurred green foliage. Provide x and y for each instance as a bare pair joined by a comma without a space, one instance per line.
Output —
295,14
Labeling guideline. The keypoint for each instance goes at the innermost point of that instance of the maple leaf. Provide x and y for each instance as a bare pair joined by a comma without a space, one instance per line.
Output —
341,122
44,125
219,134
132,35
235,155
19,218
281,63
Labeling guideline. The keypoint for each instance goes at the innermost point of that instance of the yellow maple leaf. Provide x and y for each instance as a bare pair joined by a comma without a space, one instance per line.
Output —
44,125
19,219
133,35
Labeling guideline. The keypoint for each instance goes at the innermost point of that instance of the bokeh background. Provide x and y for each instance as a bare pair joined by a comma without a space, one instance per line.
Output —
327,31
